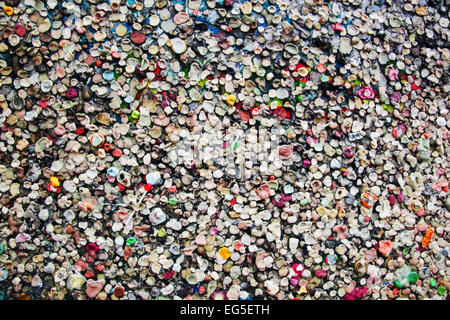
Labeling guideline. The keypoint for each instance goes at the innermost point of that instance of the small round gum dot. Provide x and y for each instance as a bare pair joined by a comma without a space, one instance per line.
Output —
8,10
135,114
231,99
54,181
117,153
20,30
224,253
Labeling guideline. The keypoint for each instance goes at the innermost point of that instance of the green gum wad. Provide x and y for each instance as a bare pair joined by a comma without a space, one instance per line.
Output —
135,114
131,241
388,108
432,283
441,290
412,277
161,232
202,82
304,202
